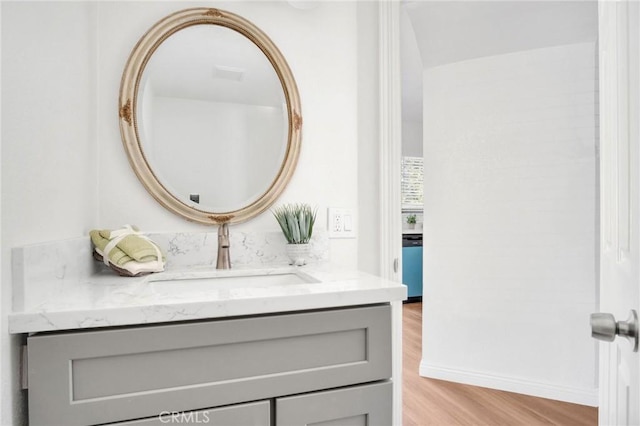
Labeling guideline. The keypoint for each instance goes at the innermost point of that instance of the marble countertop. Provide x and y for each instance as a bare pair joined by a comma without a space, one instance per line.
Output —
107,300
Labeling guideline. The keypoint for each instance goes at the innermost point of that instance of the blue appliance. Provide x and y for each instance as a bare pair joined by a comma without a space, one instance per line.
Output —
412,266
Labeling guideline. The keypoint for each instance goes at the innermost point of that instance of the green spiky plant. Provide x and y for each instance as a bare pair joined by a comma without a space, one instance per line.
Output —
296,222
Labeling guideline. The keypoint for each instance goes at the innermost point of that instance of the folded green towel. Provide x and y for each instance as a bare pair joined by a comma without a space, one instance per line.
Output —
140,249
130,248
116,256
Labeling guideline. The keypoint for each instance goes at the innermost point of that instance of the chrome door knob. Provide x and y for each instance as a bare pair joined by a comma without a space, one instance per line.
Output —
605,327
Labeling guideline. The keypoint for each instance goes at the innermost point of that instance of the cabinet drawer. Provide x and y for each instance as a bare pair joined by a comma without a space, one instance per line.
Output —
367,405
254,414
119,374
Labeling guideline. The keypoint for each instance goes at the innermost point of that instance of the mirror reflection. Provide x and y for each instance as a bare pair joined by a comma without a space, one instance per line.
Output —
212,118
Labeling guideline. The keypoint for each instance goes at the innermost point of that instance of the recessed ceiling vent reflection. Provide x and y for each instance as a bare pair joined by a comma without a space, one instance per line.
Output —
228,73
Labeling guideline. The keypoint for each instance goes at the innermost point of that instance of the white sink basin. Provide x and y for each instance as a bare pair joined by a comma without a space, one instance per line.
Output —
230,280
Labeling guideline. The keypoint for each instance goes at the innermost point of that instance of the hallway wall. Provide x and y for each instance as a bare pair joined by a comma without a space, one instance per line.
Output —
510,242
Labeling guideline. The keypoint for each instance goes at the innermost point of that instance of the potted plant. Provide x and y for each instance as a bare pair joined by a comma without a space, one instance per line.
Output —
411,221
296,222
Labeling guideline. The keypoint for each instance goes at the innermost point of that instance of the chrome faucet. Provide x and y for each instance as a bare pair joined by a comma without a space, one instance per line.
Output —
224,261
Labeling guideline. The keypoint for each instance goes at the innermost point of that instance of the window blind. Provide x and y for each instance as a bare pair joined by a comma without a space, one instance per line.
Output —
412,182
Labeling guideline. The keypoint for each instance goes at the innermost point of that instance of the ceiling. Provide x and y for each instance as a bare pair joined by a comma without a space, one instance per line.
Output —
435,33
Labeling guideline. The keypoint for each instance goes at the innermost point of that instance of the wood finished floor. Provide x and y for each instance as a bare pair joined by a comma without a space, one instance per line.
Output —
437,402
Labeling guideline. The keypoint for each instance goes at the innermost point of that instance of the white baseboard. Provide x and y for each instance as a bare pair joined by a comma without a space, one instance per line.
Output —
544,390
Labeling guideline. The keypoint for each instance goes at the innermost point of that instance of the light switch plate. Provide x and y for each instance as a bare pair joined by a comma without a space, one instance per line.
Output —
341,223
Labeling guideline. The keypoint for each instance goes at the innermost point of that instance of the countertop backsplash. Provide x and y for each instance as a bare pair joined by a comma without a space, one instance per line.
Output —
247,248
39,270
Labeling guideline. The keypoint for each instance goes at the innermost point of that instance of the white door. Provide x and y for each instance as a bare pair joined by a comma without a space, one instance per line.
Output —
619,185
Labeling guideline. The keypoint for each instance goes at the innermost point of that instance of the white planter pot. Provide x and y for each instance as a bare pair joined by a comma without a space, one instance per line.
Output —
298,253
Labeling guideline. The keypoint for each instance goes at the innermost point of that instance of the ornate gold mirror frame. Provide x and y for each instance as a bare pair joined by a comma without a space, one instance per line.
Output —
131,79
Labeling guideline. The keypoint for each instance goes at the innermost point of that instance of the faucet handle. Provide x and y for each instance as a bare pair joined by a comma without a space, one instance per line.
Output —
223,236
223,247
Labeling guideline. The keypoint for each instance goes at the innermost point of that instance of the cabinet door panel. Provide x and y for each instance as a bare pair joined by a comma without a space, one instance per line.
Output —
366,405
254,414
112,375
360,420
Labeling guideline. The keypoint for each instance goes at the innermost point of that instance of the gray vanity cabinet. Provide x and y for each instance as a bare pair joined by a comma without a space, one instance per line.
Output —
366,405
311,366
250,414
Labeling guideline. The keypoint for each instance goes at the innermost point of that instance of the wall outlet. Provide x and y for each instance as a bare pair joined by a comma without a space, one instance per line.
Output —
341,223
337,224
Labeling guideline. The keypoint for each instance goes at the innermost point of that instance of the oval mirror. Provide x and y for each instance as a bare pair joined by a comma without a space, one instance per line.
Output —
210,116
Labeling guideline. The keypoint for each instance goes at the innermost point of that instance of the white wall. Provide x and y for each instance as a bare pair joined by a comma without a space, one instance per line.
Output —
510,243
411,81
48,144
5,365
64,170
368,139
411,138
